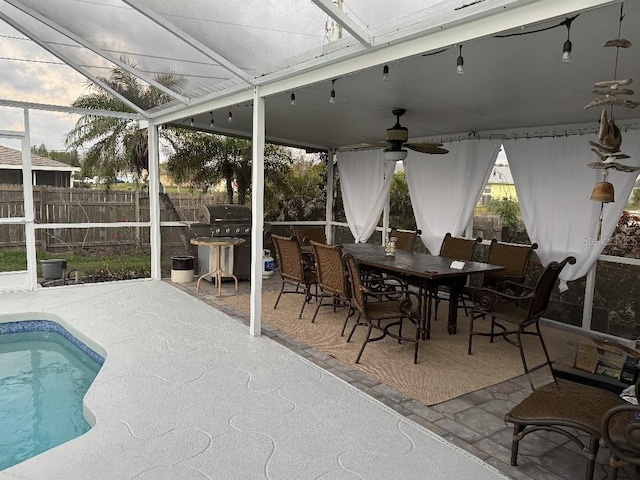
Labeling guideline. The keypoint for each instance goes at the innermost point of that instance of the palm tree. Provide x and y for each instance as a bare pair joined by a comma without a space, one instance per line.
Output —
203,159
118,144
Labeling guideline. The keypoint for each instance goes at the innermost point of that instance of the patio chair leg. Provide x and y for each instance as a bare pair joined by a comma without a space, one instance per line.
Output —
346,320
364,343
306,297
417,340
279,295
471,333
354,328
546,352
515,443
313,319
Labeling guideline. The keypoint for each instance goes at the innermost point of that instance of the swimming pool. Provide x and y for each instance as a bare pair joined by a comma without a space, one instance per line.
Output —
44,374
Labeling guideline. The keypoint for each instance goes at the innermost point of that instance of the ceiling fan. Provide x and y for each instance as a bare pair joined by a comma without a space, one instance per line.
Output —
396,139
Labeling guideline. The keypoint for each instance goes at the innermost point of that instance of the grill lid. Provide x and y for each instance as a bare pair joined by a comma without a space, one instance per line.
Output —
227,213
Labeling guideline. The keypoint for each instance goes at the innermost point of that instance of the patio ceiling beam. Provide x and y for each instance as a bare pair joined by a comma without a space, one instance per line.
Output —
69,62
229,97
349,25
98,51
74,110
185,37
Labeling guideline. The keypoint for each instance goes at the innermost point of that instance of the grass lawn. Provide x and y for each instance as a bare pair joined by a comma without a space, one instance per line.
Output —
12,261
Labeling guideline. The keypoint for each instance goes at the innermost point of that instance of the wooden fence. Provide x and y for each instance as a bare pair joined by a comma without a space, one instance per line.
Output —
74,205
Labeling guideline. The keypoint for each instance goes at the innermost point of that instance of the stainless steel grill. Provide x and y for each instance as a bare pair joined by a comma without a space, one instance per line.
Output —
226,220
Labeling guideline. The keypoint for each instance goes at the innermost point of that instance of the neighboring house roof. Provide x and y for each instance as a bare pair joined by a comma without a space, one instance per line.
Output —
11,159
501,175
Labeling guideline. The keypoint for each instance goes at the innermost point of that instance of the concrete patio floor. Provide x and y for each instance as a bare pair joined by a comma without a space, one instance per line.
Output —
187,393
473,422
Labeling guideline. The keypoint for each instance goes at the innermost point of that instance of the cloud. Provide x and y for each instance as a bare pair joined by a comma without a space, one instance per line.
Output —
31,74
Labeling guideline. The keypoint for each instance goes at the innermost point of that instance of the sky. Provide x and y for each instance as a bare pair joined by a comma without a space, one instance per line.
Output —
29,73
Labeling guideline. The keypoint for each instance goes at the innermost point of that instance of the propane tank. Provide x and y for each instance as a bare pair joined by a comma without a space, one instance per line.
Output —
267,264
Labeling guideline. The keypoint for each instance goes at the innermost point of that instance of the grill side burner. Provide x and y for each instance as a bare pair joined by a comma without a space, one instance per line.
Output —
226,220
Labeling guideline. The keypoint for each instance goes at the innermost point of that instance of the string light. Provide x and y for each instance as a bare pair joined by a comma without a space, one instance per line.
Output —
230,117
460,63
385,73
332,96
566,48
293,98
211,123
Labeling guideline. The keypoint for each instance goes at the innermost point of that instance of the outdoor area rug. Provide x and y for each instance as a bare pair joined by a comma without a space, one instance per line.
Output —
444,370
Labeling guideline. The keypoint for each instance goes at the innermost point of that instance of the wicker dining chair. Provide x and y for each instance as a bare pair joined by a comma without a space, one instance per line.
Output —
457,248
292,269
507,310
382,312
513,257
305,234
405,240
333,278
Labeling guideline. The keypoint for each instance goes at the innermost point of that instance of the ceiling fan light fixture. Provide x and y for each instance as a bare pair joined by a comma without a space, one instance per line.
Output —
395,155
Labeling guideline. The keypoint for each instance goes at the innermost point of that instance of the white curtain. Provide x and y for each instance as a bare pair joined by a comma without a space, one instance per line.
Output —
554,185
365,181
445,189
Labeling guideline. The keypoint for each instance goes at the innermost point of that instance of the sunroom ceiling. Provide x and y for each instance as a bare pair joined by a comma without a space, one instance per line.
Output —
224,49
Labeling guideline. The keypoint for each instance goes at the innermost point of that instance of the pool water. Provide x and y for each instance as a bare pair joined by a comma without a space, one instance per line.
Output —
43,379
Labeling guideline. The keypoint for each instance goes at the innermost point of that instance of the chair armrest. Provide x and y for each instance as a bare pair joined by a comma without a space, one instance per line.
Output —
409,300
383,283
620,430
485,298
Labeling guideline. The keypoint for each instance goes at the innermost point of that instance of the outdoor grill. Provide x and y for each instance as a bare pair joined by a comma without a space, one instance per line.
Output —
226,220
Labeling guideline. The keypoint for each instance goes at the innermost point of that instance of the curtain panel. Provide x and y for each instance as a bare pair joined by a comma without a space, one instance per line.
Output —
554,185
445,189
365,181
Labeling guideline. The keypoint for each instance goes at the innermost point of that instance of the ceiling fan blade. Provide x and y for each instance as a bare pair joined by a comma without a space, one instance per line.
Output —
430,148
367,146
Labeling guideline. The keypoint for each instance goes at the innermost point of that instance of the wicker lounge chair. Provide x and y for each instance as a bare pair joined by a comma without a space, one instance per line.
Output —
563,406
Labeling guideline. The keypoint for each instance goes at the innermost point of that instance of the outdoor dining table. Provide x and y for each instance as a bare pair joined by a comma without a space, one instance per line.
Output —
427,271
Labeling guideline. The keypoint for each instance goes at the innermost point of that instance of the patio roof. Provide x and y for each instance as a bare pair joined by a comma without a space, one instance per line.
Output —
511,84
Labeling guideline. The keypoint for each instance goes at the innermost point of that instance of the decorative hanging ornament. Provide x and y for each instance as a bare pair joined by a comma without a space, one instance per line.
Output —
607,148
603,192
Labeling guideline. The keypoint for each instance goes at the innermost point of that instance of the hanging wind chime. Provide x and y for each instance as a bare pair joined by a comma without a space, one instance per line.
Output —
610,93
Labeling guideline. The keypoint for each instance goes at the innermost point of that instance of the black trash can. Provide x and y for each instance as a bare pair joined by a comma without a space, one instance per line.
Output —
182,269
